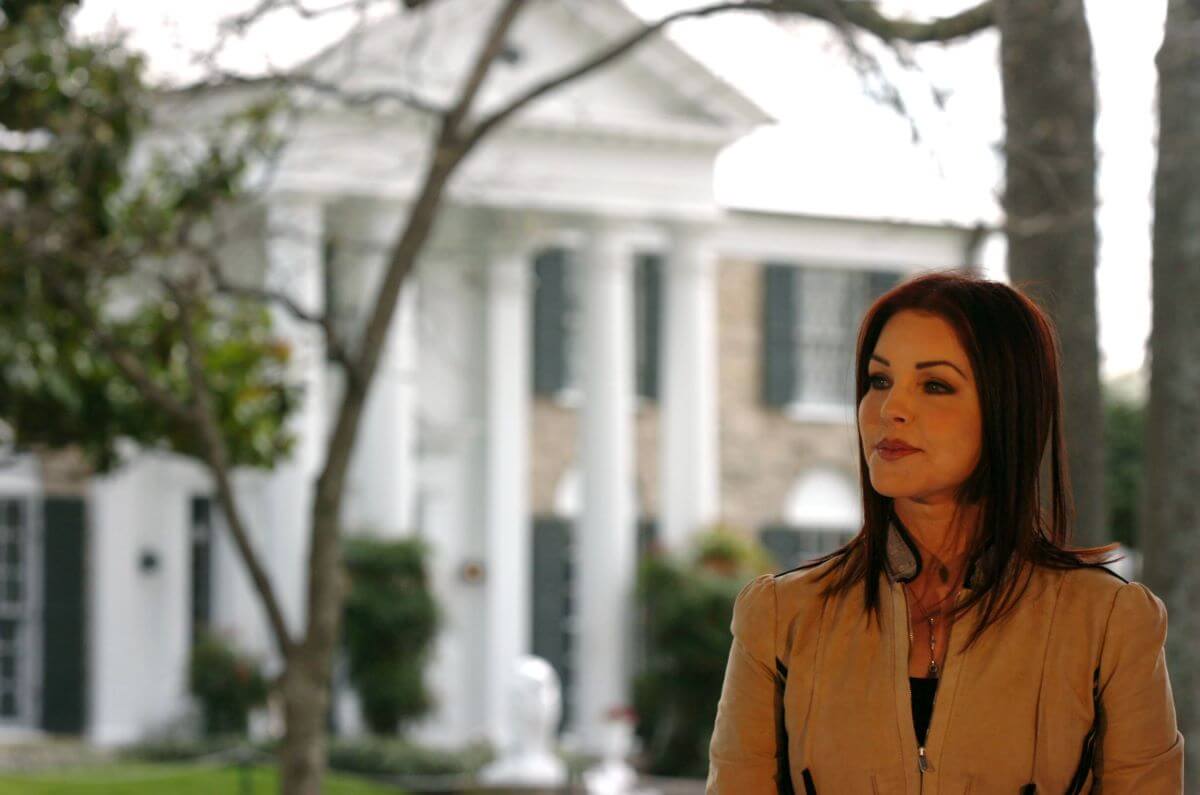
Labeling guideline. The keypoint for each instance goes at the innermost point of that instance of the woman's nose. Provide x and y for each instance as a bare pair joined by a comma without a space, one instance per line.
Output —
895,407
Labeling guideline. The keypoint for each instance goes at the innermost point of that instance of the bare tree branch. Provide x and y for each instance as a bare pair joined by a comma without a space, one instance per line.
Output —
865,15
217,456
335,345
240,23
276,80
493,44
858,13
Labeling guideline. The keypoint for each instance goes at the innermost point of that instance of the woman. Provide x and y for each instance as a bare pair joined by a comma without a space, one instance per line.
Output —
956,644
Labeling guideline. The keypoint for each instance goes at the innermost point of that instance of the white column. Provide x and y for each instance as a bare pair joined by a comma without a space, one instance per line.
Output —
452,433
508,532
604,540
688,463
382,477
294,251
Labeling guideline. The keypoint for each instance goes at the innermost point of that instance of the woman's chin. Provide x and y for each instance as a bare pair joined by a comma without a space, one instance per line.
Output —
893,487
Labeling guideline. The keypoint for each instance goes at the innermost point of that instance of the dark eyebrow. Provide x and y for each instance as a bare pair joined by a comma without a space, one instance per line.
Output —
922,365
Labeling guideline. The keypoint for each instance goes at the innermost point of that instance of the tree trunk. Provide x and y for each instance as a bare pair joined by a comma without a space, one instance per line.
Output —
1050,202
1171,507
302,755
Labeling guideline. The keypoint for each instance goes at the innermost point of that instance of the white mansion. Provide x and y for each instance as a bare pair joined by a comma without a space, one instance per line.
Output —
592,352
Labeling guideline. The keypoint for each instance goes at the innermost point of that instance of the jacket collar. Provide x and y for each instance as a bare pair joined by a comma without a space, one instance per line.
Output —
903,561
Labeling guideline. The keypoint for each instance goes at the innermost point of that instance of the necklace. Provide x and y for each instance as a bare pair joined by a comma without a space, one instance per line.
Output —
929,615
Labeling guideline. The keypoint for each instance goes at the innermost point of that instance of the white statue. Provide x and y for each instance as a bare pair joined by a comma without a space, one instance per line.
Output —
534,709
613,774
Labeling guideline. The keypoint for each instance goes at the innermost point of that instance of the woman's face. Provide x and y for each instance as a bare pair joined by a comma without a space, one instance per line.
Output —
921,392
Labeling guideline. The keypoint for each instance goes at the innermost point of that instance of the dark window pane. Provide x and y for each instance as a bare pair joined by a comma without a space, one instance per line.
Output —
8,704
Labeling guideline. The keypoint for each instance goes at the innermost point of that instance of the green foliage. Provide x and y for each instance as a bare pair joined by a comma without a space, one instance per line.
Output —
1124,431
56,389
372,756
83,233
391,757
194,779
227,685
186,749
688,607
390,623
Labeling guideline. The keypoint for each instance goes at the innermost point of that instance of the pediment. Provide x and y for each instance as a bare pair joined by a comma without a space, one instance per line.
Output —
426,54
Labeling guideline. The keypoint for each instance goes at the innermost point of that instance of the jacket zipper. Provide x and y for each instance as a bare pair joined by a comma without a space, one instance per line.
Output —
922,760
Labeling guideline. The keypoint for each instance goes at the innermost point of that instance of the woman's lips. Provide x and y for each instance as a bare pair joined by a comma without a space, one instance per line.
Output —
891,454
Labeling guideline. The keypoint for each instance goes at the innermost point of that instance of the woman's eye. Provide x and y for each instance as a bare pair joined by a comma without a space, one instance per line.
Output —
871,379
941,389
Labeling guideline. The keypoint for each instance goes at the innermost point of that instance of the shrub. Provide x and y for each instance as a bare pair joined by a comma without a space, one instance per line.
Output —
688,606
1124,430
390,622
227,684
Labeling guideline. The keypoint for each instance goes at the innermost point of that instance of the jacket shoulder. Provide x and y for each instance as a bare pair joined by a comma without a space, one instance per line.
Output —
1095,579
1086,595
802,582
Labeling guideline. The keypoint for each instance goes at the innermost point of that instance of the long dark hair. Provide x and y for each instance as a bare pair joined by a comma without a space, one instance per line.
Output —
1013,349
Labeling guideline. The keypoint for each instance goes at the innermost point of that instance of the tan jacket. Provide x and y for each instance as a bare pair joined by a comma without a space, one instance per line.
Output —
816,698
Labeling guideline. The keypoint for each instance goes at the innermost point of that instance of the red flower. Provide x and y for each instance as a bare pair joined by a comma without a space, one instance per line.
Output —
622,712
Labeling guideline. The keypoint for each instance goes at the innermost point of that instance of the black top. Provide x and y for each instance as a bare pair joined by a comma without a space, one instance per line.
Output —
922,703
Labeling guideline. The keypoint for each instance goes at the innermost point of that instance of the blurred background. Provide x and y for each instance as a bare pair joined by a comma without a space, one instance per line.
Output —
354,351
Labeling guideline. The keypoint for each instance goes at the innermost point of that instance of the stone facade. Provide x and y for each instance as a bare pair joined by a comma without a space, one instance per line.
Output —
554,444
763,450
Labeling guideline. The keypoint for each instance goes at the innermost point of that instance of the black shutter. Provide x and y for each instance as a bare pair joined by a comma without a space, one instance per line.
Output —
647,541
64,670
202,541
779,352
791,546
553,578
550,344
648,323
879,282
785,544
329,286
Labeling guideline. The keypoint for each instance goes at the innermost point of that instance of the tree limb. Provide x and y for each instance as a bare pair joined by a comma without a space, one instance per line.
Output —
217,456
409,99
856,13
864,15
335,345
493,44
242,22
133,369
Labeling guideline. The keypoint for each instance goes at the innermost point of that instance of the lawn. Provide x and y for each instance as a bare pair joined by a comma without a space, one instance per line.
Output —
176,779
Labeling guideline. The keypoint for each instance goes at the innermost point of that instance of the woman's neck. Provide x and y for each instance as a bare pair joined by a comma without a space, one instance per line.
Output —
942,536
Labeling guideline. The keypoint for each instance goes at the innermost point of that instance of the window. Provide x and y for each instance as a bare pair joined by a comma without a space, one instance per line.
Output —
822,512
791,546
16,674
558,322
810,326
